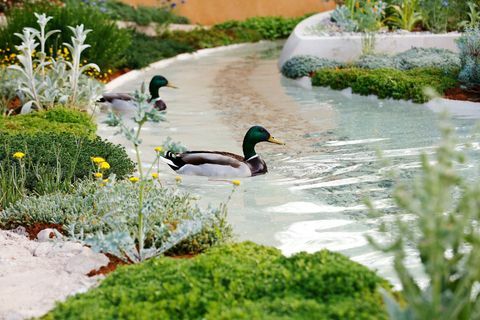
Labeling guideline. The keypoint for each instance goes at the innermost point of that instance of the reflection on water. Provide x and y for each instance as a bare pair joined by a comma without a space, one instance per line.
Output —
312,198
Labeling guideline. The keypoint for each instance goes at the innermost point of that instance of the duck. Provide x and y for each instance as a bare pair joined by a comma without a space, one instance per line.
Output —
224,164
124,101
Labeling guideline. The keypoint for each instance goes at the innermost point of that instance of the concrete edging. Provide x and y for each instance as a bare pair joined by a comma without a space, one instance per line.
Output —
348,47
134,74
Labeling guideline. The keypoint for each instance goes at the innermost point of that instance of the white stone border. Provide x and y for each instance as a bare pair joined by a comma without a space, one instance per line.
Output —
348,47
137,74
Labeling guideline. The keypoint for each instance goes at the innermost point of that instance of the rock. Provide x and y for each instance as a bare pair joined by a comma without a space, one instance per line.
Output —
43,249
48,234
20,231
86,262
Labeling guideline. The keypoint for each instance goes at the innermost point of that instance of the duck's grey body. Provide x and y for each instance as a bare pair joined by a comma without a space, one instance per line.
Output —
215,164
122,102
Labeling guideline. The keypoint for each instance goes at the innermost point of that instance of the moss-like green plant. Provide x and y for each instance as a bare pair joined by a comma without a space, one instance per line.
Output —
444,233
387,83
240,281
56,120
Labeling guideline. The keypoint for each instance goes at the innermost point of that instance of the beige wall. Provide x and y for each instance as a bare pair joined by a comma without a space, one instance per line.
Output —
214,11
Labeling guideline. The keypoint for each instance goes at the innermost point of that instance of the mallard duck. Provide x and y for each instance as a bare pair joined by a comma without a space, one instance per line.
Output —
123,101
224,164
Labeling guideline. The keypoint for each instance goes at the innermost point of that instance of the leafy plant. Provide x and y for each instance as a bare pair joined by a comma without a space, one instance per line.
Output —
387,83
42,89
342,15
108,42
141,15
469,46
443,232
435,14
305,65
269,28
406,15
47,153
239,281
89,209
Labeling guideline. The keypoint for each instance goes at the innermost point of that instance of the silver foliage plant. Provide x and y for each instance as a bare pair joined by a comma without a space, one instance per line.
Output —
134,235
42,83
444,233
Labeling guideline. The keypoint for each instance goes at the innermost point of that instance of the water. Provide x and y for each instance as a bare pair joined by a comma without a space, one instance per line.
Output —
312,198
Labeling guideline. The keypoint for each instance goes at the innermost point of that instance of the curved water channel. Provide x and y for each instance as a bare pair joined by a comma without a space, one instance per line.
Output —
312,196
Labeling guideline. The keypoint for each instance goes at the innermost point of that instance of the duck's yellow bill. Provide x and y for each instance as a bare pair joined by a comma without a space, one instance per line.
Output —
171,86
273,140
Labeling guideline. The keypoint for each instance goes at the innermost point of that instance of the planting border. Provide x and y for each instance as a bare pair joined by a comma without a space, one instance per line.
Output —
348,47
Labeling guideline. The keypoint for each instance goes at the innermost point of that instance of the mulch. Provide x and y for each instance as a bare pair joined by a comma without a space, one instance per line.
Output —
464,94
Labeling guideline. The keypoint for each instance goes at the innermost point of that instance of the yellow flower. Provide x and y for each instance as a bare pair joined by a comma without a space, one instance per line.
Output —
158,149
19,155
105,180
104,165
178,179
155,175
97,160
98,175
134,179
236,182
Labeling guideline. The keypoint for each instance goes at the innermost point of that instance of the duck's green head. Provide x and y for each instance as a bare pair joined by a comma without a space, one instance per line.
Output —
253,136
158,82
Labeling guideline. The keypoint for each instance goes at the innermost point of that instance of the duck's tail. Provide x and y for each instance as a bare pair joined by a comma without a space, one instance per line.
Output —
173,160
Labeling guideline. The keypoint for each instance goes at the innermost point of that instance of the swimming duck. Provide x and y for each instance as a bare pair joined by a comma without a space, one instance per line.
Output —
224,164
123,101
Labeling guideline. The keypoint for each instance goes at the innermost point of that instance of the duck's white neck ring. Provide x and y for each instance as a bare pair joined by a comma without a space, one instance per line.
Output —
251,158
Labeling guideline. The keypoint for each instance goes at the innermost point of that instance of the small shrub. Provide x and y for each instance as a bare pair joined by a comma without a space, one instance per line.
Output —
141,15
428,58
469,46
269,28
49,152
145,50
240,281
84,212
305,65
376,61
56,120
387,83
343,18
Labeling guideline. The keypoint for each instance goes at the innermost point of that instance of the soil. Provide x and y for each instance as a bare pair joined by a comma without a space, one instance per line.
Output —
117,74
471,94
33,230
110,267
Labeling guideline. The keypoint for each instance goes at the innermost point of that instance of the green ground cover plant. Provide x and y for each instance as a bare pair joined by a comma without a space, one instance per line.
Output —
239,281
443,205
52,162
57,120
388,83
